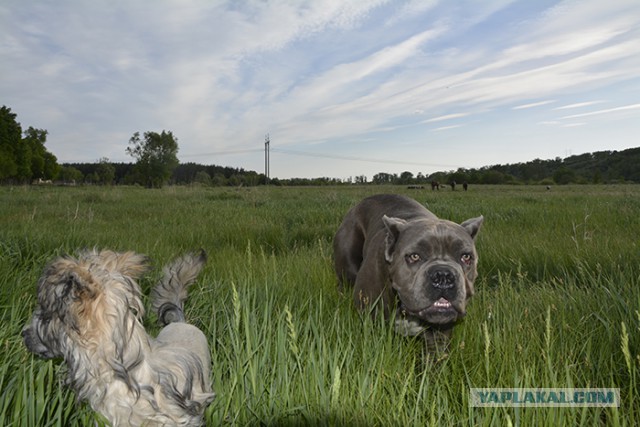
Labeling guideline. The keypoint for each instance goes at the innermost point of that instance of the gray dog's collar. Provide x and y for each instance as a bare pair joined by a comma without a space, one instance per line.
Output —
411,326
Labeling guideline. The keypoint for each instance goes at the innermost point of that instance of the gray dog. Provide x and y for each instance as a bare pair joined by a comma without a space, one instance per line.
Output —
399,255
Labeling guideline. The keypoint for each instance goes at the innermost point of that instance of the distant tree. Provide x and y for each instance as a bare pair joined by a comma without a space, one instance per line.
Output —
406,177
202,178
459,176
34,140
493,177
251,178
597,177
69,174
92,178
105,171
383,178
218,180
156,157
361,179
564,175
34,161
24,158
235,180
438,177
10,139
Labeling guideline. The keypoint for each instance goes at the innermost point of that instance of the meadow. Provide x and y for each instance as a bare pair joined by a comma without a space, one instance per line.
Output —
557,302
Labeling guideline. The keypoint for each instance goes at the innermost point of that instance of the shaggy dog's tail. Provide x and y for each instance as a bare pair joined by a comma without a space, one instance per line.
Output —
168,296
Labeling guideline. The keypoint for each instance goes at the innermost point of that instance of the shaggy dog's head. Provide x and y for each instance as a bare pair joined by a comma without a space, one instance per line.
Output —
80,300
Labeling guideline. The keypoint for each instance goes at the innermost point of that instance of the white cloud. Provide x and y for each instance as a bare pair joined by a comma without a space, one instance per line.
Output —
446,117
578,105
443,128
606,111
534,104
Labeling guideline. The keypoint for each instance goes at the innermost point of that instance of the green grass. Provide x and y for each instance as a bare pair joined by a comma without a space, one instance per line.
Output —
557,302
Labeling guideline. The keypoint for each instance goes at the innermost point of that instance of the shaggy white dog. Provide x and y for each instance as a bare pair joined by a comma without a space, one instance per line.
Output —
89,313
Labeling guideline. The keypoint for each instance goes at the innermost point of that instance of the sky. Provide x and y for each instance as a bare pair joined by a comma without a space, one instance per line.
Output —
342,88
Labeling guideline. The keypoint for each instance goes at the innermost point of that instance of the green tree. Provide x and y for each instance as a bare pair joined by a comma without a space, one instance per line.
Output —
202,178
24,158
156,157
105,171
383,178
493,177
10,139
597,177
406,177
218,180
70,175
361,179
459,176
564,175
37,162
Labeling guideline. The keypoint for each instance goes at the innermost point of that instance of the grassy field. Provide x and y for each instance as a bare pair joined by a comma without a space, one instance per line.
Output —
557,302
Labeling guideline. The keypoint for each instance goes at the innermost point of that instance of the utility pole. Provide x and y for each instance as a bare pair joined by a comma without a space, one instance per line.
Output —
266,158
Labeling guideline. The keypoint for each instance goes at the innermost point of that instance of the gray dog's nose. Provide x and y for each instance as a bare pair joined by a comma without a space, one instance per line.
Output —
442,278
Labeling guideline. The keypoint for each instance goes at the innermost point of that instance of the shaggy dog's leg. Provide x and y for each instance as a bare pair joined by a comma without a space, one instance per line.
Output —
169,294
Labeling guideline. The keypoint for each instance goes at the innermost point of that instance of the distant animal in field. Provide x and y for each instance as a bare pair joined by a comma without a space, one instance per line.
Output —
465,186
453,185
435,185
400,257
89,313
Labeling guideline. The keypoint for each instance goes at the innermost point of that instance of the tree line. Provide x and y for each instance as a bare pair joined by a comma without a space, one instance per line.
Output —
24,159
23,156
604,167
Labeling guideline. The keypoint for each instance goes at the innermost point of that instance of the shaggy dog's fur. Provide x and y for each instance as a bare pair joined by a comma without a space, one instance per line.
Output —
89,313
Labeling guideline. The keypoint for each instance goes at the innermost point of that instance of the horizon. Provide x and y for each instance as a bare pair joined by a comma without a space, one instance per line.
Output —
369,179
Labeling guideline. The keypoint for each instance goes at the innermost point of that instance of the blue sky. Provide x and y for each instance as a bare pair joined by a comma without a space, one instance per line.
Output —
343,88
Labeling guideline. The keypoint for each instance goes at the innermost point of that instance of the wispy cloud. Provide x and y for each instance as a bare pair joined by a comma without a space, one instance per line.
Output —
578,105
606,111
534,104
446,117
443,128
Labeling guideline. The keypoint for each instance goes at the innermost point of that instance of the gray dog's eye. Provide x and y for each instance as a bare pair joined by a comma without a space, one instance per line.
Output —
413,258
466,259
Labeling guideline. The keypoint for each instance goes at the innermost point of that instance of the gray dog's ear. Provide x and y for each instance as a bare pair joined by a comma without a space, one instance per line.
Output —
394,226
473,225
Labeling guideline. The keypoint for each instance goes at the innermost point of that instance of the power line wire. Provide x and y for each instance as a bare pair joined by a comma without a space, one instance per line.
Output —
357,159
223,153
321,155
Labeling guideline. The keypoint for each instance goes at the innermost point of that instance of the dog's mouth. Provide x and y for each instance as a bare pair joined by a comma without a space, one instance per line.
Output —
441,304
35,345
440,307
441,311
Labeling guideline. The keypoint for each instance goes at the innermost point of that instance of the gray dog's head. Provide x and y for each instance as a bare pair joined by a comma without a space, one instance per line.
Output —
433,264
